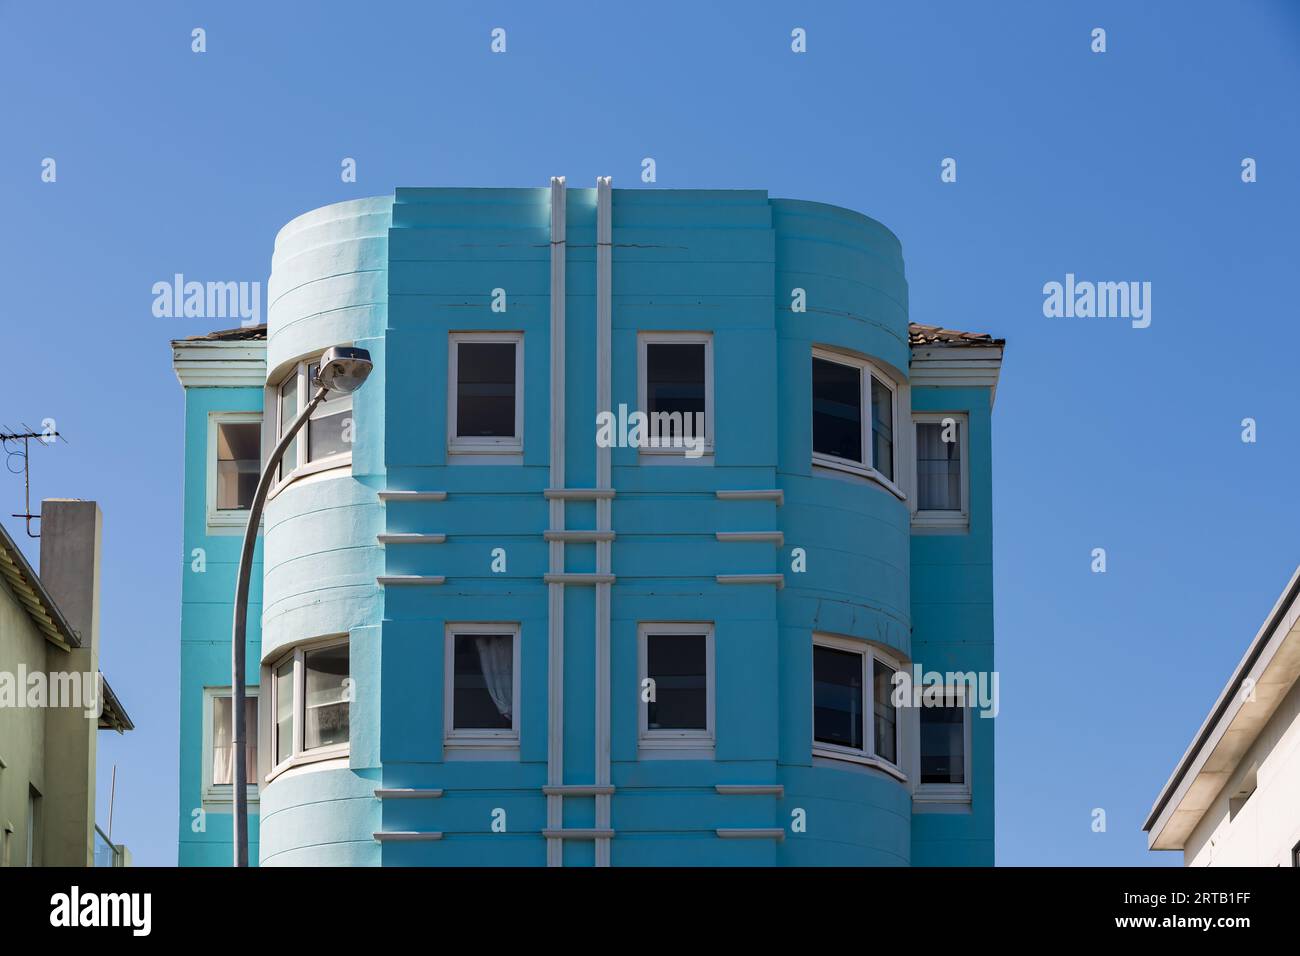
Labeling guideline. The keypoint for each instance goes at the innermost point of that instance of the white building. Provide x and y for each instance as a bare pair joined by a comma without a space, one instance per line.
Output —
1234,798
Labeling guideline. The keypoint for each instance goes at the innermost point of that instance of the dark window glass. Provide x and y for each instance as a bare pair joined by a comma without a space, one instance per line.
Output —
325,717
678,665
284,712
882,429
938,467
837,410
483,683
238,464
837,697
675,387
485,390
943,745
886,714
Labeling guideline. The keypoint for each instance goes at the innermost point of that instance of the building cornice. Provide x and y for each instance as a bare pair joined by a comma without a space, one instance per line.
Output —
208,364
956,366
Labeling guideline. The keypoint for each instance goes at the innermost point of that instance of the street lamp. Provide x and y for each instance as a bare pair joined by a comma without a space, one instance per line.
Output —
343,370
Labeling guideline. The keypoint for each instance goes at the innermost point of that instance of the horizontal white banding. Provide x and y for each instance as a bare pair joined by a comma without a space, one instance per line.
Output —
411,538
407,794
578,537
577,790
578,578
754,789
776,537
769,494
755,833
577,494
777,579
588,834
413,496
407,836
397,579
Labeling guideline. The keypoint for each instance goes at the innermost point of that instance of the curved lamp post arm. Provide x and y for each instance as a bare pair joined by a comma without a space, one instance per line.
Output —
238,639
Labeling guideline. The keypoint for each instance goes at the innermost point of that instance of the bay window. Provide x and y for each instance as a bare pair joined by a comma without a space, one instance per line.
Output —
854,416
326,439
854,717
311,696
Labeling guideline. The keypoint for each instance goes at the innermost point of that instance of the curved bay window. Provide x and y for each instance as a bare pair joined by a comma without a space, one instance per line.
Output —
326,440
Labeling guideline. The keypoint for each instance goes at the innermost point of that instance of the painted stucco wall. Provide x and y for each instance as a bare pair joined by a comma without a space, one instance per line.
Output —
205,831
1267,826
22,729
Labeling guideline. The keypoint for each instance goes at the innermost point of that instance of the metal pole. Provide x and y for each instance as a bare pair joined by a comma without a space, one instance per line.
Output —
237,637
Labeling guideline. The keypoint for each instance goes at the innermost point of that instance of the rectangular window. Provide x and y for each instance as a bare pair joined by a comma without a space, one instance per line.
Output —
284,744
482,686
854,416
325,704
311,696
854,717
943,744
325,441
675,392
234,466
238,460
677,687
944,749
218,752
329,430
485,393
941,480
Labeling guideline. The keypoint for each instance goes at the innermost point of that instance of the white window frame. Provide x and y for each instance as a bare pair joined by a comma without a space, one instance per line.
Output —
946,793
288,472
676,744
644,339
298,755
867,755
479,742
220,522
867,370
224,793
494,449
942,520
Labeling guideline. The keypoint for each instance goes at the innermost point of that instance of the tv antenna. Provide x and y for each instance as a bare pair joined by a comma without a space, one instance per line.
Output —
9,441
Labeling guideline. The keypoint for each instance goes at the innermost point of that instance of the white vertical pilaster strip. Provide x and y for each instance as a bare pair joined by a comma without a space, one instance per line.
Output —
604,400
555,592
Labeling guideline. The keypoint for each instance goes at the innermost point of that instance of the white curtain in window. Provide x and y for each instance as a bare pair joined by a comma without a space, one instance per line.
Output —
223,763
496,657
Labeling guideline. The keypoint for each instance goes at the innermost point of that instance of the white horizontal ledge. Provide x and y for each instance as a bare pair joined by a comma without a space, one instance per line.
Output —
578,536
407,836
777,579
578,578
755,789
754,833
578,790
766,494
411,538
407,793
413,496
388,580
578,494
589,834
776,537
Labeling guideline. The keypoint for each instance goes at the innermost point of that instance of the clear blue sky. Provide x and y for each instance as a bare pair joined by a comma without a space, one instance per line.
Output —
1115,166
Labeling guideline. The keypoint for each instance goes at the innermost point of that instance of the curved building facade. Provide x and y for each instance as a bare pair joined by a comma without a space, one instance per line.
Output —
629,552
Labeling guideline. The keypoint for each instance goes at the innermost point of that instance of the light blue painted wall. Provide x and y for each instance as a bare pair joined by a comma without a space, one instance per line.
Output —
396,275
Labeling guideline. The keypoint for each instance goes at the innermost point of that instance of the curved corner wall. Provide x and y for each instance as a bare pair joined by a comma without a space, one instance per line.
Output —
856,532
329,286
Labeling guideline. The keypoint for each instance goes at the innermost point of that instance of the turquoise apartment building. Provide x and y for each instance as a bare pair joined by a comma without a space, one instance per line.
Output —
485,631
